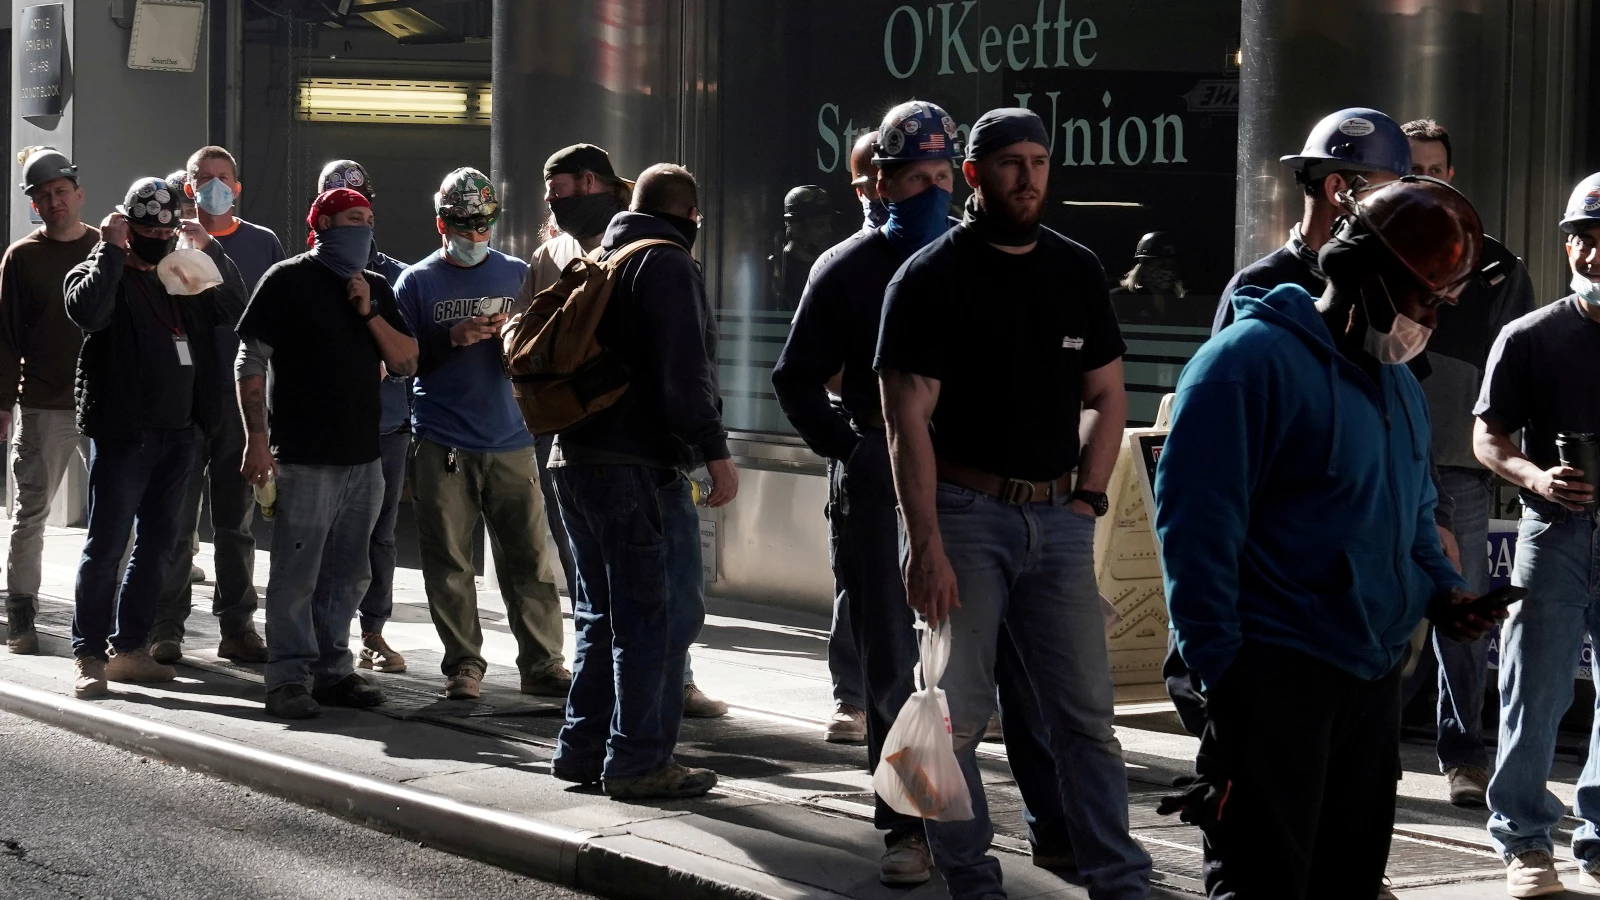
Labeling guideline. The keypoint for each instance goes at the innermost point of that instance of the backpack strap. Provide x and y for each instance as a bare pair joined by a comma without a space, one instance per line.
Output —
627,250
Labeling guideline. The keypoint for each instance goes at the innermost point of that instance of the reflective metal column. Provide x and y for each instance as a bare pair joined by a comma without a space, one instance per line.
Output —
1499,74
604,72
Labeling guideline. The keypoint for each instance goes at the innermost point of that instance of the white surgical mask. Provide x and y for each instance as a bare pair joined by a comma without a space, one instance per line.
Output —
1587,291
1405,340
467,251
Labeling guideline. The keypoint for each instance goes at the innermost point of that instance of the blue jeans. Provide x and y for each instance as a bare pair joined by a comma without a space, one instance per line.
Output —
138,485
635,540
377,605
1540,644
1464,667
320,535
1031,568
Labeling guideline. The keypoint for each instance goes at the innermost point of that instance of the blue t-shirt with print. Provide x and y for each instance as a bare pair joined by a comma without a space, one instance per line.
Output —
461,396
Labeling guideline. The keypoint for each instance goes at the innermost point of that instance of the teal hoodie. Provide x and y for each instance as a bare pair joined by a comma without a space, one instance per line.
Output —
1293,498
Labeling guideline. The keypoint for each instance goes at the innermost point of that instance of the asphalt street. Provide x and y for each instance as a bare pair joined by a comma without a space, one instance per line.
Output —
80,819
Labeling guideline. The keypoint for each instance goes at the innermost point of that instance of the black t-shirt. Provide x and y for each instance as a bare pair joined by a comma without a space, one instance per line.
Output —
1009,338
1540,378
166,383
325,375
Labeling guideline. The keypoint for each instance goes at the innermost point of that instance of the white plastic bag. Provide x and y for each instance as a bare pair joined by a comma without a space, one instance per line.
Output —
187,271
918,774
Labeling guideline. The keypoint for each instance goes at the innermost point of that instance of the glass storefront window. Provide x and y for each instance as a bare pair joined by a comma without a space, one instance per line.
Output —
1140,96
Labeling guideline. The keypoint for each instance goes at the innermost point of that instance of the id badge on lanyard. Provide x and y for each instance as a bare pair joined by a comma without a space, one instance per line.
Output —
181,344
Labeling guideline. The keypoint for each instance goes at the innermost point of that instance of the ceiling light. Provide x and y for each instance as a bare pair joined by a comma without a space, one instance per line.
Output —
387,100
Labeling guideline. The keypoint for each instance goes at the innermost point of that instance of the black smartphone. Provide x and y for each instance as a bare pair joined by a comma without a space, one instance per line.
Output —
1498,599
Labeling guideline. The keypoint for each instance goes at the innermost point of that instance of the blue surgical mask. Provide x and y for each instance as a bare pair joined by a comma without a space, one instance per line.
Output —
1587,291
344,248
466,251
215,197
918,221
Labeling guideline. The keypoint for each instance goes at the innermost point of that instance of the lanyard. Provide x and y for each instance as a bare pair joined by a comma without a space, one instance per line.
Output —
176,325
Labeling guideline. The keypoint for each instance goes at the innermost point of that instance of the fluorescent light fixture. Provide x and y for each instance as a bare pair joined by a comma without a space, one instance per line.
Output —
389,100
1123,203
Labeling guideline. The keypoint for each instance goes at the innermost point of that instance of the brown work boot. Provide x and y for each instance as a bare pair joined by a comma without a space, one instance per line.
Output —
244,647
848,725
136,666
377,655
555,681
696,705
465,684
21,637
90,682
166,650
669,783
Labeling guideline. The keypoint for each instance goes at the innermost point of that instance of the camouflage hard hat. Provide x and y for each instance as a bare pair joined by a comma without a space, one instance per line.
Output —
805,201
467,199
346,173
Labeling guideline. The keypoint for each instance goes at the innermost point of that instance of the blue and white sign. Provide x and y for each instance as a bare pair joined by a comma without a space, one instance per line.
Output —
1502,553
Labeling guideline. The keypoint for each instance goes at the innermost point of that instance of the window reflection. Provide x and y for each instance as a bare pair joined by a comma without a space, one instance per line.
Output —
1138,97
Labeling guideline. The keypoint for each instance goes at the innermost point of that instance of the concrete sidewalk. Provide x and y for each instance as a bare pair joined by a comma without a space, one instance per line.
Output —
791,817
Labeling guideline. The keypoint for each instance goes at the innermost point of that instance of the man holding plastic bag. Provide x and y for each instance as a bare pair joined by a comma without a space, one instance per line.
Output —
984,423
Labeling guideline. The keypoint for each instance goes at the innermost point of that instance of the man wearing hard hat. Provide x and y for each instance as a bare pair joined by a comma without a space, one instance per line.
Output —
38,356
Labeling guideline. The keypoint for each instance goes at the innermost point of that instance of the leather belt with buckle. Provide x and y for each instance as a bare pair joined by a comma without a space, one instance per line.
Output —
1015,491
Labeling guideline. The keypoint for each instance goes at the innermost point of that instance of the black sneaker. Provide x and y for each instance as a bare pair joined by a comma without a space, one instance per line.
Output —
292,701
351,690
21,637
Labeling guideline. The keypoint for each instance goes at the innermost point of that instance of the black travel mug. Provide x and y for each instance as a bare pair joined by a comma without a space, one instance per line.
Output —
1581,450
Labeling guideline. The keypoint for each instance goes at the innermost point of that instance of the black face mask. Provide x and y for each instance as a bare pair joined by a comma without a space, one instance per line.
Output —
994,229
586,215
151,250
689,228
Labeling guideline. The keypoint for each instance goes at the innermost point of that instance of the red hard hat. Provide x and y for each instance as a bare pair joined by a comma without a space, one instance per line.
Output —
1429,226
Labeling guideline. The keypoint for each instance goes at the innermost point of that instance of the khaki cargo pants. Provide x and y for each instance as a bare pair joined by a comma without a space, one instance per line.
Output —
502,488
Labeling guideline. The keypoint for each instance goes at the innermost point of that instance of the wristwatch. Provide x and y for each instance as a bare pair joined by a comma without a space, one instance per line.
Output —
1097,500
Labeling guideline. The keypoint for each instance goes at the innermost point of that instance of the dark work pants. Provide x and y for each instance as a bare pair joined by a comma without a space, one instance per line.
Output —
216,474
864,531
378,604
136,485
542,444
1312,752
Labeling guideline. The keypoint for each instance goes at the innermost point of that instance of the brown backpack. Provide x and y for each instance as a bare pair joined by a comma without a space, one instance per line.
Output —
559,372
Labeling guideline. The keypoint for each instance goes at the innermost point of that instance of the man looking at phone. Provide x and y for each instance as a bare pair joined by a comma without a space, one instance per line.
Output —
473,456
1529,386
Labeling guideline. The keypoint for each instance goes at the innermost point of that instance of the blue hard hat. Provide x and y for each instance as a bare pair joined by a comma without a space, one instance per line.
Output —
1583,205
1358,139
915,131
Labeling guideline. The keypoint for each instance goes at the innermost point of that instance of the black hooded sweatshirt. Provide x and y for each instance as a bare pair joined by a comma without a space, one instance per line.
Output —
659,323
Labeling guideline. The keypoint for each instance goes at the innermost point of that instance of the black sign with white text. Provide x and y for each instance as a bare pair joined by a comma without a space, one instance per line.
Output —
39,61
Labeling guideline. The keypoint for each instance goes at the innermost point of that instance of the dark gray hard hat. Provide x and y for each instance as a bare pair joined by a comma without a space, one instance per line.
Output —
1155,245
46,164
807,200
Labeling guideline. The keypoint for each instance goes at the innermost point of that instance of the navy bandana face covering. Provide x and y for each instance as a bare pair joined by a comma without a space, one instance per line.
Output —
917,221
344,248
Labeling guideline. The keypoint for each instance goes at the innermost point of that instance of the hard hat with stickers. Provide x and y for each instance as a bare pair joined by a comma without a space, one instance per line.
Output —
346,173
1356,139
467,199
151,202
1584,205
915,131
